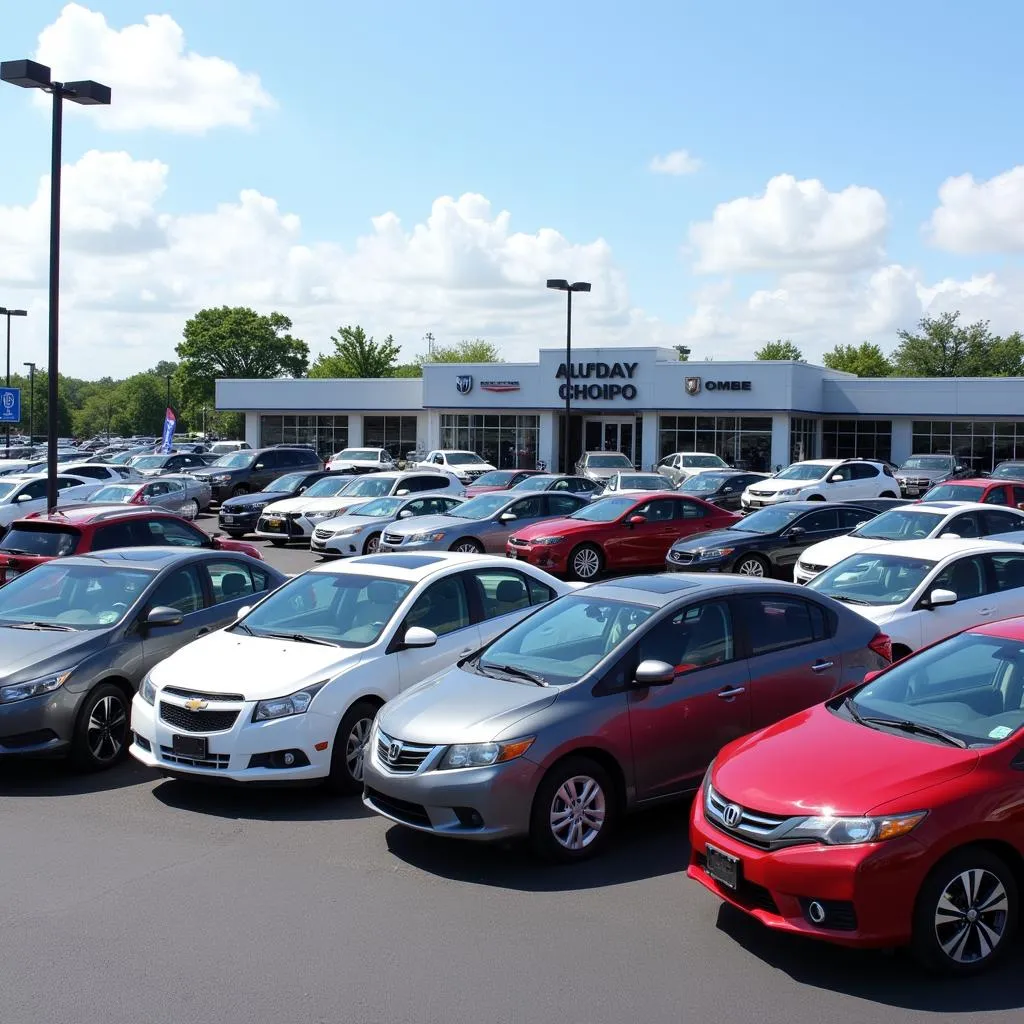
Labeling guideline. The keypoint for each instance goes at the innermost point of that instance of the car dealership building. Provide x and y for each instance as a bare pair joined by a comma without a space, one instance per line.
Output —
645,403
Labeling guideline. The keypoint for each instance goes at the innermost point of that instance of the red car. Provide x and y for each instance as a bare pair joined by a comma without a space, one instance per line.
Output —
892,815
79,530
499,480
629,532
992,492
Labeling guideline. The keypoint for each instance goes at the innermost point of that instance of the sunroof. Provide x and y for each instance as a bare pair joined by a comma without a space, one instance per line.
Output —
400,561
653,584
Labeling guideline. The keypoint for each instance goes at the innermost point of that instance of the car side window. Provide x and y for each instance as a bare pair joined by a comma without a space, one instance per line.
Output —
841,473
174,463
442,607
423,483
997,496
229,580
115,535
689,509
35,489
694,638
1018,495
998,521
64,482
501,591
562,485
657,511
851,517
776,623
864,471
156,490
167,531
444,505
1007,571
181,590
562,504
819,521
540,593
966,525
526,508
966,577
420,507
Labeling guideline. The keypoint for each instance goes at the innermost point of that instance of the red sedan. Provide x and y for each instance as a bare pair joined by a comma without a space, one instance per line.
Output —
629,532
893,815
992,492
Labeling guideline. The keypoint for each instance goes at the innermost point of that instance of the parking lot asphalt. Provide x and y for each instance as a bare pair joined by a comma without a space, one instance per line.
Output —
131,898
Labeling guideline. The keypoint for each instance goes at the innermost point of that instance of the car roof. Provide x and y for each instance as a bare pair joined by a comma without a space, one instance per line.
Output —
653,590
952,506
409,567
935,549
977,481
153,558
82,515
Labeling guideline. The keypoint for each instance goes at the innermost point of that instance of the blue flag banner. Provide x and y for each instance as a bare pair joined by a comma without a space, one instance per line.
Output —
170,422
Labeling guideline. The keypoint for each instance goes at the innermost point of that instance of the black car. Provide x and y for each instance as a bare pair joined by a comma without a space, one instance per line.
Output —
769,541
721,489
1011,469
920,472
251,470
238,516
80,633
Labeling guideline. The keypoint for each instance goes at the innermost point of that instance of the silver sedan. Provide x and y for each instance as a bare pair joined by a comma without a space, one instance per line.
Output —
481,524
358,532
181,494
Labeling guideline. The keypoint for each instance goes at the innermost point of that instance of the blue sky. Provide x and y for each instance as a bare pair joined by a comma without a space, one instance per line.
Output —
553,112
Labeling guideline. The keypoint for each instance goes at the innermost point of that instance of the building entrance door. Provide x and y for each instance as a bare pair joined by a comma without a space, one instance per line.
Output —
610,435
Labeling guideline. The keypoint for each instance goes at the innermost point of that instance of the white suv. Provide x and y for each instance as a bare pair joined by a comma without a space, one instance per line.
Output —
823,480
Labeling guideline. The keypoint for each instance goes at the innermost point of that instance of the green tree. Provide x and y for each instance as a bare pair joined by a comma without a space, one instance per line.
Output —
865,360
476,351
779,349
357,355
942,347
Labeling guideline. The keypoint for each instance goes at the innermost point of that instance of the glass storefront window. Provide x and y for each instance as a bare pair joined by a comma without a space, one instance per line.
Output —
505,441
395,433
743,441
979,444
857,439
328,434
803,439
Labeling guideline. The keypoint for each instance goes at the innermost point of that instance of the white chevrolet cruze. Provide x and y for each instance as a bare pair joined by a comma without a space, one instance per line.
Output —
290,690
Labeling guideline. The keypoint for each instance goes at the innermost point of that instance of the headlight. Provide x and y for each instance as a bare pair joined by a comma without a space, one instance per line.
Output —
706,554
323,514
790,490
547,540
416,538
221,478
294,704
350,531
478,755
33,688
845,831
147,691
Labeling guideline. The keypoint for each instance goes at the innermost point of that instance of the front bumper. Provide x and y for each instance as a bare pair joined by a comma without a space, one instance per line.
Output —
284,527
39,726
873,886
232,751
337,547
237,522
553,558
416,545
750,502
804,576
697,565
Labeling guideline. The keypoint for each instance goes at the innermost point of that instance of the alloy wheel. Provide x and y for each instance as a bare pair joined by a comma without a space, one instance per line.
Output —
373,544
971,916
355,747
750,567
586,563
105,730
577,812
190,510
467,546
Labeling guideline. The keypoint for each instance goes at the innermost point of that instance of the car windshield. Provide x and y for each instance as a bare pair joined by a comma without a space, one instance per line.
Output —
703,483
480,508
900,524
347,609
1009,471
463,458
696,461
929,462
873,579
288,482
531,483
359,454
564,640
77,596
39,539
604,510
767,520
805,471
955,492
616,461
380,507
236,460
643,482
150,462
328,486
360,486
6,490
966,686
499,478
113,492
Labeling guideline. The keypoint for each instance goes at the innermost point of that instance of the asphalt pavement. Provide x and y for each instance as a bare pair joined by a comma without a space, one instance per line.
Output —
131,898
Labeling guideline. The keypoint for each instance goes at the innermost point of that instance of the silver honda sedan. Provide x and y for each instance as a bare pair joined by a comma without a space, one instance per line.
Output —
483,523
182,494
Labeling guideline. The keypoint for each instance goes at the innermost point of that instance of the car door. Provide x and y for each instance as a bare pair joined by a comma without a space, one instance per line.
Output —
810,528
998,496
999,520
792,660
175,495
965,525
264,469
231,585
1017,494
677,729
968,578
443,608
527,511
182,590
646,543
499,598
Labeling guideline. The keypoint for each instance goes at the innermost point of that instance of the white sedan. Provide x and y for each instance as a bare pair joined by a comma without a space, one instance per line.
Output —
919,591
289,691
295,518
21,495
636,483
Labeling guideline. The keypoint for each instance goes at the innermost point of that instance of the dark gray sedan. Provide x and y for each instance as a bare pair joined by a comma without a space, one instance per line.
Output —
80,633
184,495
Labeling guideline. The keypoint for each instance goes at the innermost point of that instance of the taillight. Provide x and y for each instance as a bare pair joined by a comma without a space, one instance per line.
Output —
137,498
882,646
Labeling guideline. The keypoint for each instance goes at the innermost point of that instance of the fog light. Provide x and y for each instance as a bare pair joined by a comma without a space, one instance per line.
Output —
468,817
816,912
289,760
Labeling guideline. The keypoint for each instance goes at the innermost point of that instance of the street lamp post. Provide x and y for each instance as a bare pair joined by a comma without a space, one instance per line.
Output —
27,74
9,313
31,400
561,285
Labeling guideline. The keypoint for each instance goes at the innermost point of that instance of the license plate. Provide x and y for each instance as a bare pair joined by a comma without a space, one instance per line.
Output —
189,746
227,519
913,491
274,524
510,554
723,868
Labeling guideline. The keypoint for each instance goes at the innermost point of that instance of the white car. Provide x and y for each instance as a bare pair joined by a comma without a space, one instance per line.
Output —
681,466
102,471
365,460
636,483
910,522
823,480
466,466
358,531
289,692
919,591
20,495
228,447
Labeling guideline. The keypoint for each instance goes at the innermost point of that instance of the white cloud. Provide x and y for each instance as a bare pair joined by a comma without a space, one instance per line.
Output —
985,216
156,81
793,225
679,161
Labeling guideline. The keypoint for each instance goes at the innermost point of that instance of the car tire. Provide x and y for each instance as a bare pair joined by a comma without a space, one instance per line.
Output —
372,544
346,776
278,542
949,939
751,565
101,730
190,510
574,811
816,497
239,490
469,546
585,563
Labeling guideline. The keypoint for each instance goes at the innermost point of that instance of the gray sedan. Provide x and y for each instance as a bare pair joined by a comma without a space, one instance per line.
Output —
483,523
80,633
182,494
358,532
580,485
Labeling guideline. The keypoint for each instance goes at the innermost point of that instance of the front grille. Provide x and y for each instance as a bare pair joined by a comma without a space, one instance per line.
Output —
681,556
197,721
321,534
212,761
400,758
393,538
919,483
518,542
403,810
751,827
761,494
200,695
809,567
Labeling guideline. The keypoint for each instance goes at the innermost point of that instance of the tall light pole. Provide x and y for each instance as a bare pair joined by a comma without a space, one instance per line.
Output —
9,313
561,285
31,400
27,74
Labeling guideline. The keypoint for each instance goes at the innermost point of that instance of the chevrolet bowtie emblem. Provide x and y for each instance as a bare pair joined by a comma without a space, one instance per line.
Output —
196,704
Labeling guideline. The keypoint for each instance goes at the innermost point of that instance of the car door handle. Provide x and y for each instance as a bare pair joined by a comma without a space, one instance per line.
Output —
820,666
730,692
203,631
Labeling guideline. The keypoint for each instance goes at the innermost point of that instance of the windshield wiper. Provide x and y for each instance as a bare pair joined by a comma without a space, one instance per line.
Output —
242,625
14,551
58,626
917,727
847,600
299,638
522,673
851,707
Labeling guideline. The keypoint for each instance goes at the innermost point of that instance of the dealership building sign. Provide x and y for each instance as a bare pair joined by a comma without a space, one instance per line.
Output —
610,373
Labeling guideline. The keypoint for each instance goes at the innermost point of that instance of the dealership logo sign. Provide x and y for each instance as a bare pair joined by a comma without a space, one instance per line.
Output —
602,371
464,383
692,385
501,386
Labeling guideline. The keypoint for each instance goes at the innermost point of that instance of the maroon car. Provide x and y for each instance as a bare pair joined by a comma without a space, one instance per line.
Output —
499,480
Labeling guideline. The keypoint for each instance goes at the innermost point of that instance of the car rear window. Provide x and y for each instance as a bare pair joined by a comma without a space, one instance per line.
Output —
40,539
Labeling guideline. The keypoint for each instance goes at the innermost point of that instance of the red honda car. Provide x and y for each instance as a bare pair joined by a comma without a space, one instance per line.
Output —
633,531
892,815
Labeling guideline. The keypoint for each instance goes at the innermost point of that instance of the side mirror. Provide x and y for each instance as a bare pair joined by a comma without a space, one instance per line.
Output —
636,520
215,541
258,466
939,598
23,497
508,517
417,636
1020,505
162,615
795,531
301,490
835,479
406,513
654,673
402,492
949,535
727,490
863,522
243,611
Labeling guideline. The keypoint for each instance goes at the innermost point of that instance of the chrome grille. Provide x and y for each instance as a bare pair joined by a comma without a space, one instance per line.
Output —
761,494
398,757
518,542
752,827
681,556
393,538
201,695
321,534
810,567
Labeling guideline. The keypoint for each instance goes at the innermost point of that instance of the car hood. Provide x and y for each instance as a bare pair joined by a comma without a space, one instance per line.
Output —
856,768
355,522
420,523
716,538
304,504
264,497
257,667
773,486
31,653
828,552
559,528
604,474
356,463
461,707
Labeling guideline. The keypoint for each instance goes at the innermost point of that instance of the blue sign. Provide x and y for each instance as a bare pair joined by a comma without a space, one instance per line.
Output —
10,405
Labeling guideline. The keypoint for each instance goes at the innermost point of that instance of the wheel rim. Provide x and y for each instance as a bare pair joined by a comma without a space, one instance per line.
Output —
373,545
577,812
104,732
466,545
971,916
750,567
585,563
355,747
191,510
